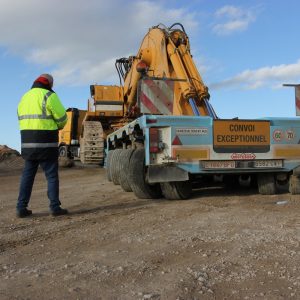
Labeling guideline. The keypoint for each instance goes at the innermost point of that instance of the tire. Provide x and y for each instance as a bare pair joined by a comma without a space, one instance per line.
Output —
108,162
177,190
294,185
136,176
115,166
124,164
266,184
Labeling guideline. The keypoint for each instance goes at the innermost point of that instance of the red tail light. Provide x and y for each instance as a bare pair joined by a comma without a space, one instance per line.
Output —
141,67
154,140
151,121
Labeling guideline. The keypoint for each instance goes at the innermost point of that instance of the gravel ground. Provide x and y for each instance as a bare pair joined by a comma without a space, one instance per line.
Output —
221,244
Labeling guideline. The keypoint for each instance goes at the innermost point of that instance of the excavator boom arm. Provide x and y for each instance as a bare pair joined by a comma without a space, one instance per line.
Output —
165,53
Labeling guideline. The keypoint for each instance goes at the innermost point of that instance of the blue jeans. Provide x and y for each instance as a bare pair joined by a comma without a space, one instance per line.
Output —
50,168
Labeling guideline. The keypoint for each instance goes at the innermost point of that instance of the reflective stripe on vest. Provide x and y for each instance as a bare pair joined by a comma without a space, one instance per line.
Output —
62,119
39,145
44,113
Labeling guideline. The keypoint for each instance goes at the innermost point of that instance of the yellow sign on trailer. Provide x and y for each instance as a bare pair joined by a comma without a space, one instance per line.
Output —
241,136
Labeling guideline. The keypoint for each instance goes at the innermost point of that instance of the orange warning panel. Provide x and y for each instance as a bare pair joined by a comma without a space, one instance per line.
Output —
241,136
184,154
289,152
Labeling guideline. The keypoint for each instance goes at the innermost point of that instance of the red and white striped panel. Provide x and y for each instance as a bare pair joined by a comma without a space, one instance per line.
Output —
156,96
297,92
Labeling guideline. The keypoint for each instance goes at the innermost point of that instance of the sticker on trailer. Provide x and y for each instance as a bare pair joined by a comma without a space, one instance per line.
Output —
277,135
176,141
192,131
243,156
290,135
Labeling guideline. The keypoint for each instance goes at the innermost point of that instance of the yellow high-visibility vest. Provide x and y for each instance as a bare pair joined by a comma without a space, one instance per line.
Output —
41,109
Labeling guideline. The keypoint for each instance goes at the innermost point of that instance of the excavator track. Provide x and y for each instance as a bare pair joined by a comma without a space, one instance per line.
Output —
92,143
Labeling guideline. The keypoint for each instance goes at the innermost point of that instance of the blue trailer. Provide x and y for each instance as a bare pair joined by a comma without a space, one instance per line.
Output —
159,155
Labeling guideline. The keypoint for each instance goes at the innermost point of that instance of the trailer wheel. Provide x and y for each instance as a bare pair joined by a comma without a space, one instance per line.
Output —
294,185
115,166
124,163
177,190
136,177
266,184
108,162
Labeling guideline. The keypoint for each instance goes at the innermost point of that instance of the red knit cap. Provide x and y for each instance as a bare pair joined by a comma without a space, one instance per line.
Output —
45,79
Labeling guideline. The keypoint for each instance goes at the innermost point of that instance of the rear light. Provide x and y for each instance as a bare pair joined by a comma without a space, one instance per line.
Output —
151,121
154,140
142,67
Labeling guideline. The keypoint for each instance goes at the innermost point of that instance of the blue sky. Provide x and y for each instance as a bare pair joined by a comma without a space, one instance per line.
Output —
244,50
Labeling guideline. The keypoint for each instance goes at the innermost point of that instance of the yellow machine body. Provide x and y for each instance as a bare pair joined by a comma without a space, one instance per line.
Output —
106,101
164,54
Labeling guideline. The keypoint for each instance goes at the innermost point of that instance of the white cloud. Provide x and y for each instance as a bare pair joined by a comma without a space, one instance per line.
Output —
78,41
230,19
273,76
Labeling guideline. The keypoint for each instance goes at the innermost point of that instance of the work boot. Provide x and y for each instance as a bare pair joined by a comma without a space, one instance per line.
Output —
23,213
59,212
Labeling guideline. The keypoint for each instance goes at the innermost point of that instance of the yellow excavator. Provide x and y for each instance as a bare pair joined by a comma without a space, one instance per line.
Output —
164,53
85,132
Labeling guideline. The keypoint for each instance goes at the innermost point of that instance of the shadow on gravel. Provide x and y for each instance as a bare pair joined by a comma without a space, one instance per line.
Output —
203,192
118,206
221,191
39,214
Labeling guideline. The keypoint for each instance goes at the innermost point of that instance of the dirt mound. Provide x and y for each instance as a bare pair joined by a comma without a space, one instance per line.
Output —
10,160
6,152
65,162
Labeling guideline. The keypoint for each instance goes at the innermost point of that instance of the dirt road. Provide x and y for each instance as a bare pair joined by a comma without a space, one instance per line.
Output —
221,244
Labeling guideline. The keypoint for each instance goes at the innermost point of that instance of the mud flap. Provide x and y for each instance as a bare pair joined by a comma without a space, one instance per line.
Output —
166,173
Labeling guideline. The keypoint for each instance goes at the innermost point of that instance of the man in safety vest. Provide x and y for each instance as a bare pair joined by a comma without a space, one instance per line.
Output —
40,115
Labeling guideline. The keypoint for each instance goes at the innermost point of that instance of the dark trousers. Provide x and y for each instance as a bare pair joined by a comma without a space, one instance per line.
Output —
50,168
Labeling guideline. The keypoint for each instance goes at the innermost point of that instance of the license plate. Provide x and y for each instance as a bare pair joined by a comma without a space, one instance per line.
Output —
231,164
218,164
268,163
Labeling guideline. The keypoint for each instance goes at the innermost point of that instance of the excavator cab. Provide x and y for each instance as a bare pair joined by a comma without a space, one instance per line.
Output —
106,101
